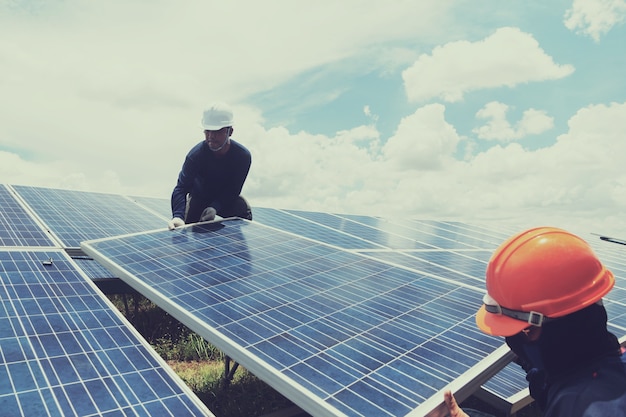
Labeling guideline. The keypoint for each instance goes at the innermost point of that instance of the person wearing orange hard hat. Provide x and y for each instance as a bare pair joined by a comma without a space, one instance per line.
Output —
544,295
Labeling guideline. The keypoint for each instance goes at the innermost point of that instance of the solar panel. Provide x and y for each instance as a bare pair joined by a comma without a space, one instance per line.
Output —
322,233
160,206
336,332
92,268
614,258
368,233
507,390
74,216
390,237
66,351
467,267
17,227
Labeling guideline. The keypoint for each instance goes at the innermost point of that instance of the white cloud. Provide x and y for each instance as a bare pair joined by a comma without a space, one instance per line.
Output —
106,96
576,183
118,86
423,141
506,58
498,128
595,17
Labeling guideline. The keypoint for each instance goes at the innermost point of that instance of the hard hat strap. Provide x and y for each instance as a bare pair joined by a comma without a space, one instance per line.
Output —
533,317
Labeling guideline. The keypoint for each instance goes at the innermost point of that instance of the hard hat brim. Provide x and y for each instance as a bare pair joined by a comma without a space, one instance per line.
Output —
497,324
213,127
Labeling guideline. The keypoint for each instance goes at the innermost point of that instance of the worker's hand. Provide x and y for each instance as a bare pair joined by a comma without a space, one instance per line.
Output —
208,214
175,222
453,407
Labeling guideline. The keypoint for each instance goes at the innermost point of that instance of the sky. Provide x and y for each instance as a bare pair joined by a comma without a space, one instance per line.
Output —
465,110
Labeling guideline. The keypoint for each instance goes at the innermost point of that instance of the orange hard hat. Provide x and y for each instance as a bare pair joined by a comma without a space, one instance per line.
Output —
537,276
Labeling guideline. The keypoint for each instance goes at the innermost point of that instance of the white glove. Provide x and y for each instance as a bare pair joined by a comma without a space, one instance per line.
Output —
175,222
208,214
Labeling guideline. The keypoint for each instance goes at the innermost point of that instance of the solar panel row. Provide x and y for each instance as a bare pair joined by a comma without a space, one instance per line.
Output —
344,314
360,336
66,351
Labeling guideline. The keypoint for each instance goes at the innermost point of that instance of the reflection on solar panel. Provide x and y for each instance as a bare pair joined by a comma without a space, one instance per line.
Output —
66,351
160,206
465,267
315,231
17,228
336,332
74,216
366,233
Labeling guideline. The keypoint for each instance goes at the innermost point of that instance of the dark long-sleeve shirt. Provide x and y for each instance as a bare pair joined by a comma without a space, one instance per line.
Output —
210,180
595,390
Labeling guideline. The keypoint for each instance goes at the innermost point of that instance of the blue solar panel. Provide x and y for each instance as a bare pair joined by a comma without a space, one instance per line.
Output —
366,233
336,332
613,256
92,268
316,231
66,351
17,227
160,206
508,389
74,216
371,231
466,267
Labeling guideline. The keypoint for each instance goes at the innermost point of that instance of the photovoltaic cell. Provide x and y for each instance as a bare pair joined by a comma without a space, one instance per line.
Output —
66,351
74,216
336,332
17,227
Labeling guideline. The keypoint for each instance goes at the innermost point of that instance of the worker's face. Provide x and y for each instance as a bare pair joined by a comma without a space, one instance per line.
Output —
525,345
216,139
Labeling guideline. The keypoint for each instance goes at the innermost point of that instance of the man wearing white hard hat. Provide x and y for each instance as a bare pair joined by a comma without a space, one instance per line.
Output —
213,173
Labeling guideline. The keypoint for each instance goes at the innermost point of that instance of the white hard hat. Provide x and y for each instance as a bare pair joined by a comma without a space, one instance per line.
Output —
217,116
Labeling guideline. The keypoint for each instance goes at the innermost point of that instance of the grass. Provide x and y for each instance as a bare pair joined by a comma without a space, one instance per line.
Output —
199,364
202,366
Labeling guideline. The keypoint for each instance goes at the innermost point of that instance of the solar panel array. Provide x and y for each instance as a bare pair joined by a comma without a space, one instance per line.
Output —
65,350
344,314
337,332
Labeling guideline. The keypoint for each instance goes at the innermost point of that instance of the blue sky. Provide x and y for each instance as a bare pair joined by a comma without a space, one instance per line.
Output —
438,109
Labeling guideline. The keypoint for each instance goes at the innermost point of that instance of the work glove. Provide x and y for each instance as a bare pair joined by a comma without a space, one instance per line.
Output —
208,214
175,222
